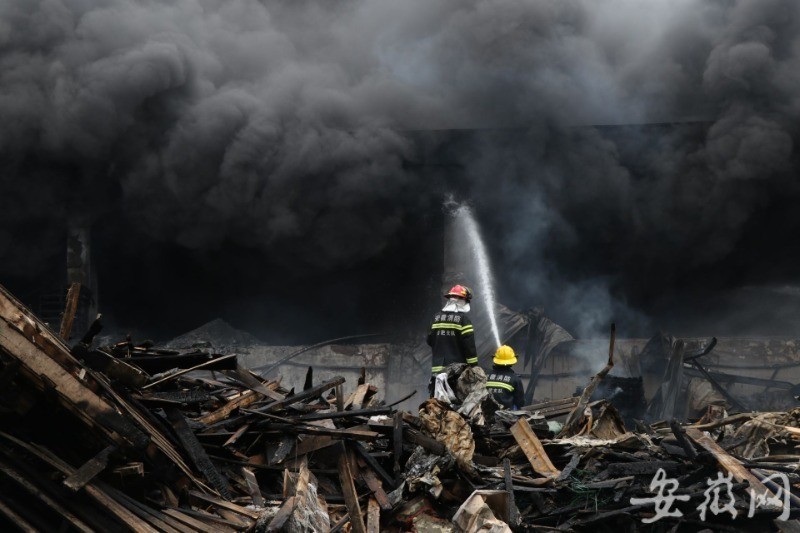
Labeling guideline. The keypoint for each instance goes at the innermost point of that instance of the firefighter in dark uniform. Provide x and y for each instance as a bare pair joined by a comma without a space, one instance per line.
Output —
451,337
504,384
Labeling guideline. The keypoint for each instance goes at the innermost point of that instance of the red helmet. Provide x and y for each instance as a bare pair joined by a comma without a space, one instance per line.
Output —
460,291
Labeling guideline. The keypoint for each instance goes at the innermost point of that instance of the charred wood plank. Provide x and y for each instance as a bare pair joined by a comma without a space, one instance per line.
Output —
511,510
575,416
120,511
373,516
180,516
614,470
375,485
238,509
196,452
571,466
347,414
32,489
714,383
533,449
357,398
253,382
247,398
16,519
728,463
156,364
89,470
305,395
71,307
155,427
157,519
217,520
397,440
430,444
10,371
374,464
283,515
252,487
357,434
349,491
46,361
339,398
677,430
277,454
178,397
179,373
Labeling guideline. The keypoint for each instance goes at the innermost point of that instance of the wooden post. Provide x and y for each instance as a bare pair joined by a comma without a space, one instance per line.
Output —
349,491
398,440
70,309
513,512
373,516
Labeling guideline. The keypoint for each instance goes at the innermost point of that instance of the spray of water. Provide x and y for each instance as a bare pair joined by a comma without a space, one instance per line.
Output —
486,287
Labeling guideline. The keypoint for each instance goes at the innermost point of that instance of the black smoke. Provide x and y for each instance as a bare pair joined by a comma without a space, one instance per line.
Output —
274,161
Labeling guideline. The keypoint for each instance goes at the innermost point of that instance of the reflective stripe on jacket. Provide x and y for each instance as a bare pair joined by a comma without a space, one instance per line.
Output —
452,339
506,386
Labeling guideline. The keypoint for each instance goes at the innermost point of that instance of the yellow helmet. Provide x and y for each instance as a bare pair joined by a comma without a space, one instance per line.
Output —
505,356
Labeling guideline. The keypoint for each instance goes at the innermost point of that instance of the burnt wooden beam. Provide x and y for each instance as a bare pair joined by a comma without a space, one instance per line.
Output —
47,363
346,414
613,470
156,364
375,485
89,470
16,519
575,416
714,383
193,522
533,449
222,504
247,398
373,516
209,363
196,452
252,487
397,440
677,430
511,511
305,395
294,425
374,464
727,462
349,491
339,398
97,493
35,491
183,397
70,308
283,515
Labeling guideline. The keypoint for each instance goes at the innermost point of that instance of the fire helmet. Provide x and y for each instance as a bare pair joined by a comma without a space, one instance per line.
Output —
505,356
460,291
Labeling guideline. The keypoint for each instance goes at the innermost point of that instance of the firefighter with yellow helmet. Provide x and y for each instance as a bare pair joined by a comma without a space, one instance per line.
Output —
504,384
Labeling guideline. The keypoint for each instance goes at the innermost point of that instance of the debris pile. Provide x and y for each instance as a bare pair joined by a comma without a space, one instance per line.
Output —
131,437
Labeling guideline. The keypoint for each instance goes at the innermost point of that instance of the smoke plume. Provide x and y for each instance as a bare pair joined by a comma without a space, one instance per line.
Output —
294,128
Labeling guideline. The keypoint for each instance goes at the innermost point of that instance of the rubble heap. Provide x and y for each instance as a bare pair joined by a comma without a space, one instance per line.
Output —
131,437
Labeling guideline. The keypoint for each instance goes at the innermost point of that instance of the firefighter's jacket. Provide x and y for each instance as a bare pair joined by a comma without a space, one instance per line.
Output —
452,340
506,386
